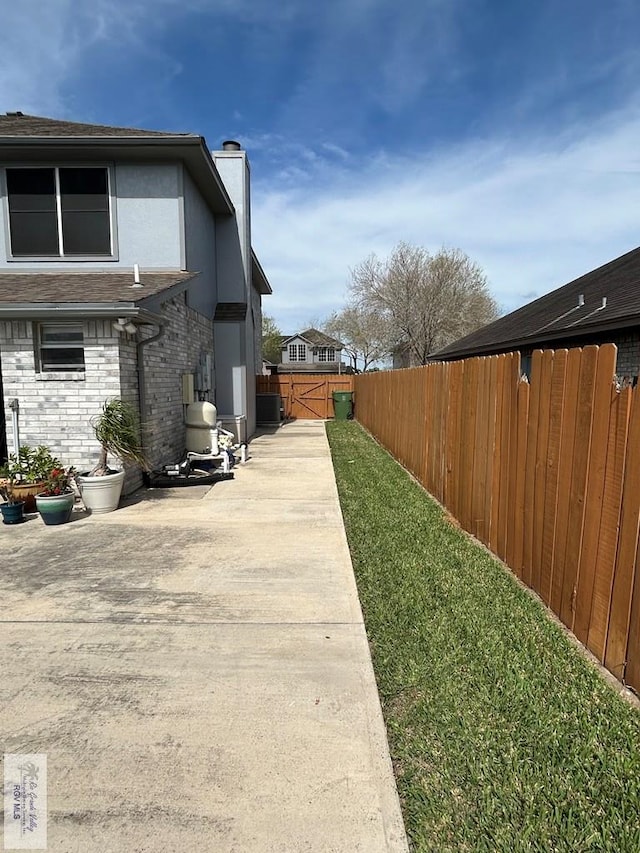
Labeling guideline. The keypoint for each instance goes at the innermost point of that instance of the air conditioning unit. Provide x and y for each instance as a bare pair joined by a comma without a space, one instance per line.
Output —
268,408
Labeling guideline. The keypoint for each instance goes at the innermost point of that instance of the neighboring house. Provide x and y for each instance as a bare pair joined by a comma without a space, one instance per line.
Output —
602,306
83,208
311,351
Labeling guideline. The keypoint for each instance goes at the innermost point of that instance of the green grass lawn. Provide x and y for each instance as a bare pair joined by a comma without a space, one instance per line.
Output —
503,737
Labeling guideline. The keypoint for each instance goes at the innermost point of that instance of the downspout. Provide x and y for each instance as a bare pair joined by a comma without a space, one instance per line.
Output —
142,387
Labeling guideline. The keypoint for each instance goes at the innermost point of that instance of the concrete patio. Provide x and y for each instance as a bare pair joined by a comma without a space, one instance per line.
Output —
196,669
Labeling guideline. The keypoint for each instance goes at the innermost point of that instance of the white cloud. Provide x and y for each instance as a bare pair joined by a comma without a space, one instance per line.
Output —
534,213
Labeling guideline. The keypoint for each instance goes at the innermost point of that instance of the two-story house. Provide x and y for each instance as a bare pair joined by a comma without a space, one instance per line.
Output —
125,266
311,351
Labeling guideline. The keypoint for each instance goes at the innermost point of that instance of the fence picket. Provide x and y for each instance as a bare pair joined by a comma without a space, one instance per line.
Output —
553,468
620,411
594,485
617,637
570,406
540,466
530,466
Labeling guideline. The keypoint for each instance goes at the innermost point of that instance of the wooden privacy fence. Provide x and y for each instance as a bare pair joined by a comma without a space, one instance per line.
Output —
546,473
305,395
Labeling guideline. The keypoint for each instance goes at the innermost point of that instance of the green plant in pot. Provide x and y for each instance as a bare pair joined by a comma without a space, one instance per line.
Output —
117,430
55,502
30,468
13,508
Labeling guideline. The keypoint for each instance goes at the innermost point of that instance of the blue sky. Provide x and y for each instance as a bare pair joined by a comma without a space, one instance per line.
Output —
508,129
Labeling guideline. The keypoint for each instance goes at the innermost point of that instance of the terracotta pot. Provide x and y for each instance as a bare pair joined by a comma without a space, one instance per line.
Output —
27,492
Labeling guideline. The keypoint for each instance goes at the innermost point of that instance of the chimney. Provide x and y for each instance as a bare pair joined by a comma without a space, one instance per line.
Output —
233,167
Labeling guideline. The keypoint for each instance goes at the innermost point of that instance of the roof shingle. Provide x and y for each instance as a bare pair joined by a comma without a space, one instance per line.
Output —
20,125
89,287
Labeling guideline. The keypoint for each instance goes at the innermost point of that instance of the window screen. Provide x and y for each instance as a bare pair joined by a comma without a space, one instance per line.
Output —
61,347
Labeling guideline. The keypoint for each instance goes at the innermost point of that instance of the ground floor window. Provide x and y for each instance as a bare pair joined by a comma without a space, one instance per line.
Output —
60,347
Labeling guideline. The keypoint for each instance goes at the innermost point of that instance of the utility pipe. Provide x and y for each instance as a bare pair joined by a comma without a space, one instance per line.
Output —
14,405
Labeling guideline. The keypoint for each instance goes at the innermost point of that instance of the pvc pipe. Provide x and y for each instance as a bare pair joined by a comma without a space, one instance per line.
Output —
14,405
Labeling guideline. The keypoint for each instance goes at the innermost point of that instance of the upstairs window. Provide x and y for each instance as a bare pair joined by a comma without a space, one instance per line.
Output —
297,352
326,354
61,347
59,212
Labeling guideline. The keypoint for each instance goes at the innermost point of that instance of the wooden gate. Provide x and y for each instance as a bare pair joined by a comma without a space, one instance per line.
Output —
305,396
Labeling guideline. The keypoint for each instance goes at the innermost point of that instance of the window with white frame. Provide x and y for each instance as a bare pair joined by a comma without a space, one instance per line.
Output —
297,352
60,347
59,211
326,354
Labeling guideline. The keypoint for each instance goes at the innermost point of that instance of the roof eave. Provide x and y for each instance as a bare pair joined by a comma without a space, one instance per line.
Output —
76,310
537,341
201,171
258,276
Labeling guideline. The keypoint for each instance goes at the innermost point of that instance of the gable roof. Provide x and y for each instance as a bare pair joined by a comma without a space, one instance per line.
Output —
610,297
314,337
20,125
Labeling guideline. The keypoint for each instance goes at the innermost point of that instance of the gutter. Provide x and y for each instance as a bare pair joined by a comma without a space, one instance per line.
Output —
73,310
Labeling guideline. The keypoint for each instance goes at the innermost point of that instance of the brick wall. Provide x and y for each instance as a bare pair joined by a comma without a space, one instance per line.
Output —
628,361
56,409
187,337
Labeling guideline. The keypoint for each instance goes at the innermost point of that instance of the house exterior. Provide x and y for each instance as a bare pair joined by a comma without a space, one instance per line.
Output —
126,269
600,307
311,351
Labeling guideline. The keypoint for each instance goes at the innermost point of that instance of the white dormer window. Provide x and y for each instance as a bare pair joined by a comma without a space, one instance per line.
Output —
326,354
62,212
297,352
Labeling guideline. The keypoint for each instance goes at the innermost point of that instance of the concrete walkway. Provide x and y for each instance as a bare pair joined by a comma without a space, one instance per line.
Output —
196,669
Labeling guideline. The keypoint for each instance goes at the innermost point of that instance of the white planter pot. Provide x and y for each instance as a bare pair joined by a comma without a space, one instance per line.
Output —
101,494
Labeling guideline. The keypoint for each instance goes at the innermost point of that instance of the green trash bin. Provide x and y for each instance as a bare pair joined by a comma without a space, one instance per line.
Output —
343,405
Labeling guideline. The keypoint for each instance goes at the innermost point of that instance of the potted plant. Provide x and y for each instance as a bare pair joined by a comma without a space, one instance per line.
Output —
31,467
55,502
13,508
117,430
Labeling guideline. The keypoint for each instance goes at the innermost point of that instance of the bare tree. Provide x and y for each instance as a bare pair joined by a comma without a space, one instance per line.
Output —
363,333
426,301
